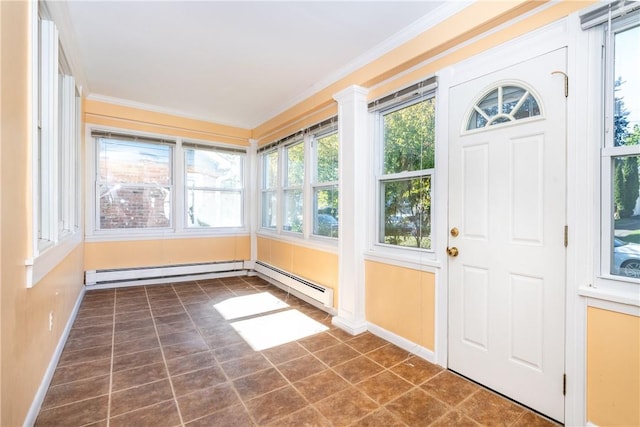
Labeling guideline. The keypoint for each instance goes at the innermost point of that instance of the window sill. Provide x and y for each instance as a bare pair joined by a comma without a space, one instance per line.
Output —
40,266
422,260
626,295
128,235
319,243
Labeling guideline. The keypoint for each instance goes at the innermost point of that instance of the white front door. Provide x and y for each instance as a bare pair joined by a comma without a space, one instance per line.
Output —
507,202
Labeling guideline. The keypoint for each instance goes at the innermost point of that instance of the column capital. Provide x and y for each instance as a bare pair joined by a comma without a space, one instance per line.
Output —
350,92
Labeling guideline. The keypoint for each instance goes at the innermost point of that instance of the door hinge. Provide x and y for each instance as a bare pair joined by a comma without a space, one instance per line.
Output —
564,384
566,236
566,82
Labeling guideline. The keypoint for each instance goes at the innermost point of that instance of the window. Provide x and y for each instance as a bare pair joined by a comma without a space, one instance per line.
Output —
270,189
293,187
149,186
300,190
134,183
47,134
214,186
406,173
56,143
503,104
56,126
325,185
621,153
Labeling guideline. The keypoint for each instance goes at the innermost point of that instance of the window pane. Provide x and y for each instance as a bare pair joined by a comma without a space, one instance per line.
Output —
625,247
269,206
206,208
627,87
499,107
327,153
325,219
131,206
213,169
407,212
292,220
295,165
270,170
134,162
409,135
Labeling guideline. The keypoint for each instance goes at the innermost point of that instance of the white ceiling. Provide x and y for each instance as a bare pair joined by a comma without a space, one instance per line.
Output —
238,63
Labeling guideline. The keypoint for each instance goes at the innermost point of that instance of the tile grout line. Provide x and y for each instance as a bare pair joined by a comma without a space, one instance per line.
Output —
113,347
121,301
164,360
208,346
231,384
273,366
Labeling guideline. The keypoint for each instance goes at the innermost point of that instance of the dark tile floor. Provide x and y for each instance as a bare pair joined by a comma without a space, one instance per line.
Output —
162,356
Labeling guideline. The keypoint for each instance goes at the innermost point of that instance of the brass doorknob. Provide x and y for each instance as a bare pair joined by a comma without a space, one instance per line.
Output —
452,251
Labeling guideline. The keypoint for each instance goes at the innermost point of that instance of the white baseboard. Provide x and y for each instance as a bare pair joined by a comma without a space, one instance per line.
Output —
403,343
38,399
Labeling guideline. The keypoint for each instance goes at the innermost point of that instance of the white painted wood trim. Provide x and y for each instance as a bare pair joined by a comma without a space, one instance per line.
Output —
353,175
38,399
348,326
37,268
403,343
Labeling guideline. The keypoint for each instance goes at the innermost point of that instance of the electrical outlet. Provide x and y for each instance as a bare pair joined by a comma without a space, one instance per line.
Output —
50,321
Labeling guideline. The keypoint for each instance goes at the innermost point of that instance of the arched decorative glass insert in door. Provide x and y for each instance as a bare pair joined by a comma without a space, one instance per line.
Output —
503,104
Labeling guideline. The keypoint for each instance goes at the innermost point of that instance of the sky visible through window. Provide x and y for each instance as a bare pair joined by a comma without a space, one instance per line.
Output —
627,66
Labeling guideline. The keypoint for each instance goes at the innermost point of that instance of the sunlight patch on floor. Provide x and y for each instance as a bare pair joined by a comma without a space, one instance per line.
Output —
249,305
276,329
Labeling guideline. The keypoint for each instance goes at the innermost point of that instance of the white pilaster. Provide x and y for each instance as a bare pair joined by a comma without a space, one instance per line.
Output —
252,183
353,174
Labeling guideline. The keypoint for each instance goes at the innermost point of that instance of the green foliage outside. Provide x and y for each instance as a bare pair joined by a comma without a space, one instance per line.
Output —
326,198
625,175
293,198
409,146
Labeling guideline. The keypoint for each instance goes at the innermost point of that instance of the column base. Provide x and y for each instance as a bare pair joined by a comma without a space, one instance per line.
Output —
354,328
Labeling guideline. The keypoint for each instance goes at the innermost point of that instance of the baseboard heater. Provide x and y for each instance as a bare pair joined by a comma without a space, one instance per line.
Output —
312,290
164,274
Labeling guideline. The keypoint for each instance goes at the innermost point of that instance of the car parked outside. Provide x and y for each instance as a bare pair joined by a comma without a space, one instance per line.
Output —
626,258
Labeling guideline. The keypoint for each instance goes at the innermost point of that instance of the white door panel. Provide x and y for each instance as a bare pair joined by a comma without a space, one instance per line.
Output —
507,199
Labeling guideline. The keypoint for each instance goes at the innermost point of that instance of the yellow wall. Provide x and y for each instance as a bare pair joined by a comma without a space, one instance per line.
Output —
102,113
27,344
613,368
402,301
146,253
314,265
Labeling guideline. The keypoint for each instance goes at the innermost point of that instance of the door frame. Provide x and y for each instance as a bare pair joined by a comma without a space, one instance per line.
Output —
562,33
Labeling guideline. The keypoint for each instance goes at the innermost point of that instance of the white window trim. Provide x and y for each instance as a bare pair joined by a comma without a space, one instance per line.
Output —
177,230
606,286
46,149
286,188
316,185
144,231
182,226
395,254
263,190
306,236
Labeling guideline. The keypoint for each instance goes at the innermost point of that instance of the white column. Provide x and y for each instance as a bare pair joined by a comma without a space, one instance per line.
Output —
352,209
